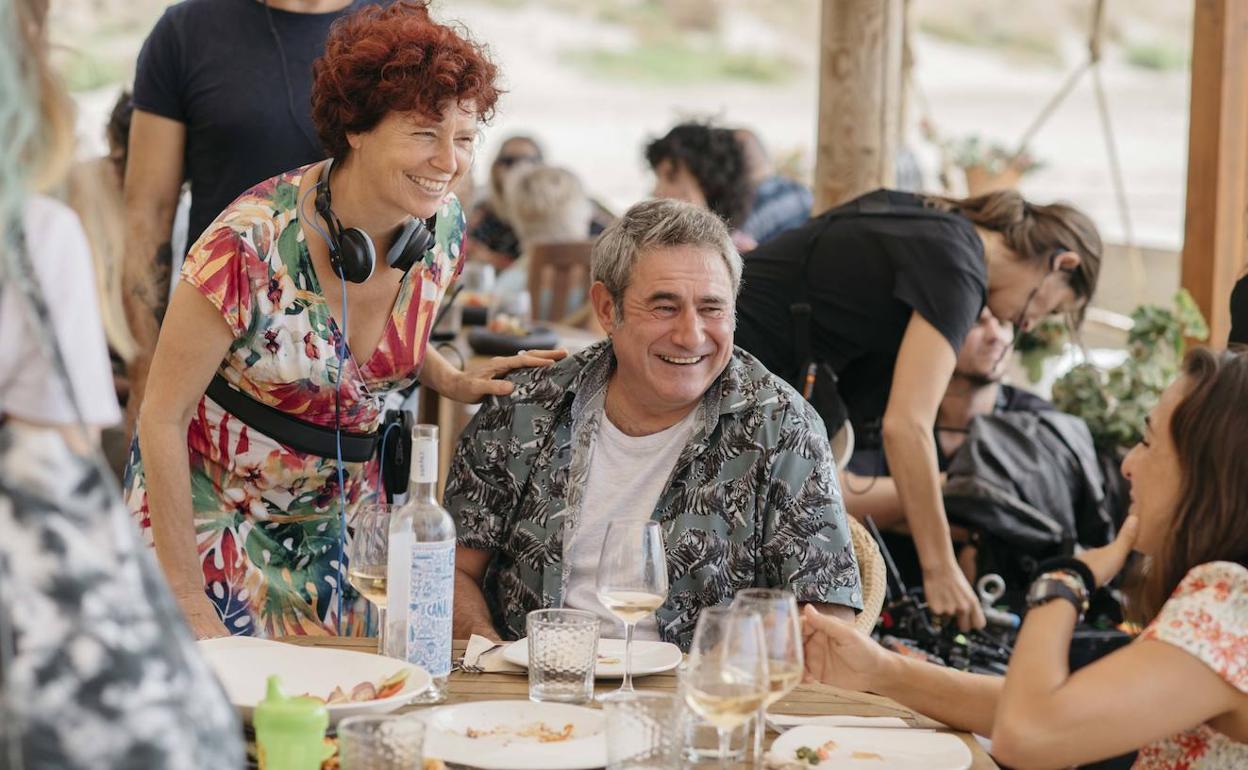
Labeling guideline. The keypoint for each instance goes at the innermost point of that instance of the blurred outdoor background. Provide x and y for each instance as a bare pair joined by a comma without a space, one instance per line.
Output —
594,79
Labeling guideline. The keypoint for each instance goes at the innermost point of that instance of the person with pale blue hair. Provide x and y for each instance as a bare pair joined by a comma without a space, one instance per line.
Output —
91,641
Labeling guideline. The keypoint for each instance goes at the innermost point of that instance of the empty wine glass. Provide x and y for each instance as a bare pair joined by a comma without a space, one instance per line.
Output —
367,556
725,679
782,633
632,579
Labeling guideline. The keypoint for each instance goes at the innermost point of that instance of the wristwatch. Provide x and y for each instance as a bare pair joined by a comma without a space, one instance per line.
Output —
1059,585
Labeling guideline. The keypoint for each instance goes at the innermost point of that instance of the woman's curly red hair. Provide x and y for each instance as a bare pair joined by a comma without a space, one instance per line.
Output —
379,60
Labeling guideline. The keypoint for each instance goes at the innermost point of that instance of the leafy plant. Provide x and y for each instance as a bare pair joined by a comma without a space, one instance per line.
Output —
1047,339
1114,402
995,158
1161,57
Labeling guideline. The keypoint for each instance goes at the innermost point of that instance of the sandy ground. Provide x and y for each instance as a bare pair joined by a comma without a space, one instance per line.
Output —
598,128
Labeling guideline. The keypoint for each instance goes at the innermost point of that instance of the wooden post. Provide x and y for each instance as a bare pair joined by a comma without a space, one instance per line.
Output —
1215,244
859,98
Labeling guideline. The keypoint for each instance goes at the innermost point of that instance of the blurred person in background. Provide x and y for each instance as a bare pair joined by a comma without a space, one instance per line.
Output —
94,191
779,203
221,117
546,204
865,308
96,668
491,237
704,165
1179,692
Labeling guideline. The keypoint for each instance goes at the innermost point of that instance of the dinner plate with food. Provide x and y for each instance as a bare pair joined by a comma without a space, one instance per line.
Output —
507,335
349,682
649,657
867,748
516,735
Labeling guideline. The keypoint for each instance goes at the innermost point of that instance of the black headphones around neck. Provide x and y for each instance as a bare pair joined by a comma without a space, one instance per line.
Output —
351,252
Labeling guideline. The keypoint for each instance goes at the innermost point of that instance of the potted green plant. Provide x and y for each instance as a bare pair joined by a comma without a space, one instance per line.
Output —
990,166
1114,402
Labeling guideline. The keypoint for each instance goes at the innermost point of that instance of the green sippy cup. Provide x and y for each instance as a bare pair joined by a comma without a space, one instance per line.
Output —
290,732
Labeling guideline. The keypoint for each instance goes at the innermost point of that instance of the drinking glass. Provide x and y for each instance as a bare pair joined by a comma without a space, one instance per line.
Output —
725,679
367,557
381,742
643,731
477,279
478,293
518,305
563,648
632,579
782,633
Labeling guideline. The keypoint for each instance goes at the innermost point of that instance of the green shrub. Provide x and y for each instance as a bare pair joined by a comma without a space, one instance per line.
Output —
1114,402
1161,57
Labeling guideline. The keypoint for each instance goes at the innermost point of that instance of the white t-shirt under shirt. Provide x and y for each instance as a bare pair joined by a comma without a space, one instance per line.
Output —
29,385
626,476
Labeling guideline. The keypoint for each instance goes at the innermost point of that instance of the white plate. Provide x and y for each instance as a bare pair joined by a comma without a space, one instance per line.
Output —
648,657
446,736
244,664
898,749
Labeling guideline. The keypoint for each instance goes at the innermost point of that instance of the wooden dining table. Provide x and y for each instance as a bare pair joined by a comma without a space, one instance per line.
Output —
804,700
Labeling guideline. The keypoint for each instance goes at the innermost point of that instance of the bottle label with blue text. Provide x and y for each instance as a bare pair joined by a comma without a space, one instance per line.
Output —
429,605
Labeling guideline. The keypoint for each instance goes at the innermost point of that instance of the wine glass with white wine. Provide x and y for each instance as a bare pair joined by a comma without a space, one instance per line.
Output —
632,579
726,678
367,557
782,633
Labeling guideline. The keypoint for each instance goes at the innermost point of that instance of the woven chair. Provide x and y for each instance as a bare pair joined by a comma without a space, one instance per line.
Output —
873,573
843,446
872,570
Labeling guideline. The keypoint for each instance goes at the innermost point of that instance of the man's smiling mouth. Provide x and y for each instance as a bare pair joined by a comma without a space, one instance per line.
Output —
682,361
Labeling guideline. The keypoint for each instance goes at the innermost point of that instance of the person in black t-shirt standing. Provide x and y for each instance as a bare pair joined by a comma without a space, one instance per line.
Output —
221,98
865,307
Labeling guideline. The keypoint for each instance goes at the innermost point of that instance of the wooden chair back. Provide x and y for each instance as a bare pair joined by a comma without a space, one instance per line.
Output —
556,270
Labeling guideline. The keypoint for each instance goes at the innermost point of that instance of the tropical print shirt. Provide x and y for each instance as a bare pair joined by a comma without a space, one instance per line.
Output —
753,499
1206,617
267,518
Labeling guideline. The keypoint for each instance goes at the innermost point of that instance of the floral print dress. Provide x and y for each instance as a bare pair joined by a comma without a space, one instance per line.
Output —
1207,617
266,516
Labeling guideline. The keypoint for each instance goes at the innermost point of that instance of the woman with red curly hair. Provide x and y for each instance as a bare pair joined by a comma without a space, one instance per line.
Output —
307,301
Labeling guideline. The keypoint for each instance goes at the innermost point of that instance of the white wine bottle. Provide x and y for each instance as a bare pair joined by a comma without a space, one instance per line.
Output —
422,571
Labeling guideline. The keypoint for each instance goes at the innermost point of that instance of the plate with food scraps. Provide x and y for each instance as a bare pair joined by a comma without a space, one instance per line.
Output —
648,657
349,682
868,748
516,735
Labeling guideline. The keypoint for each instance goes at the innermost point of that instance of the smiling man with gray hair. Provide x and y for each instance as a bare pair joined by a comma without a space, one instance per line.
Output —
664,421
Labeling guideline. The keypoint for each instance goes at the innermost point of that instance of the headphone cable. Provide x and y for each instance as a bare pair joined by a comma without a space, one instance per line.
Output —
342,490
317,147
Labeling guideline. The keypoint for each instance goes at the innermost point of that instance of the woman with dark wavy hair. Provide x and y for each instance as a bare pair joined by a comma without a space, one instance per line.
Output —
865,307
309,299
704,165
1179,693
